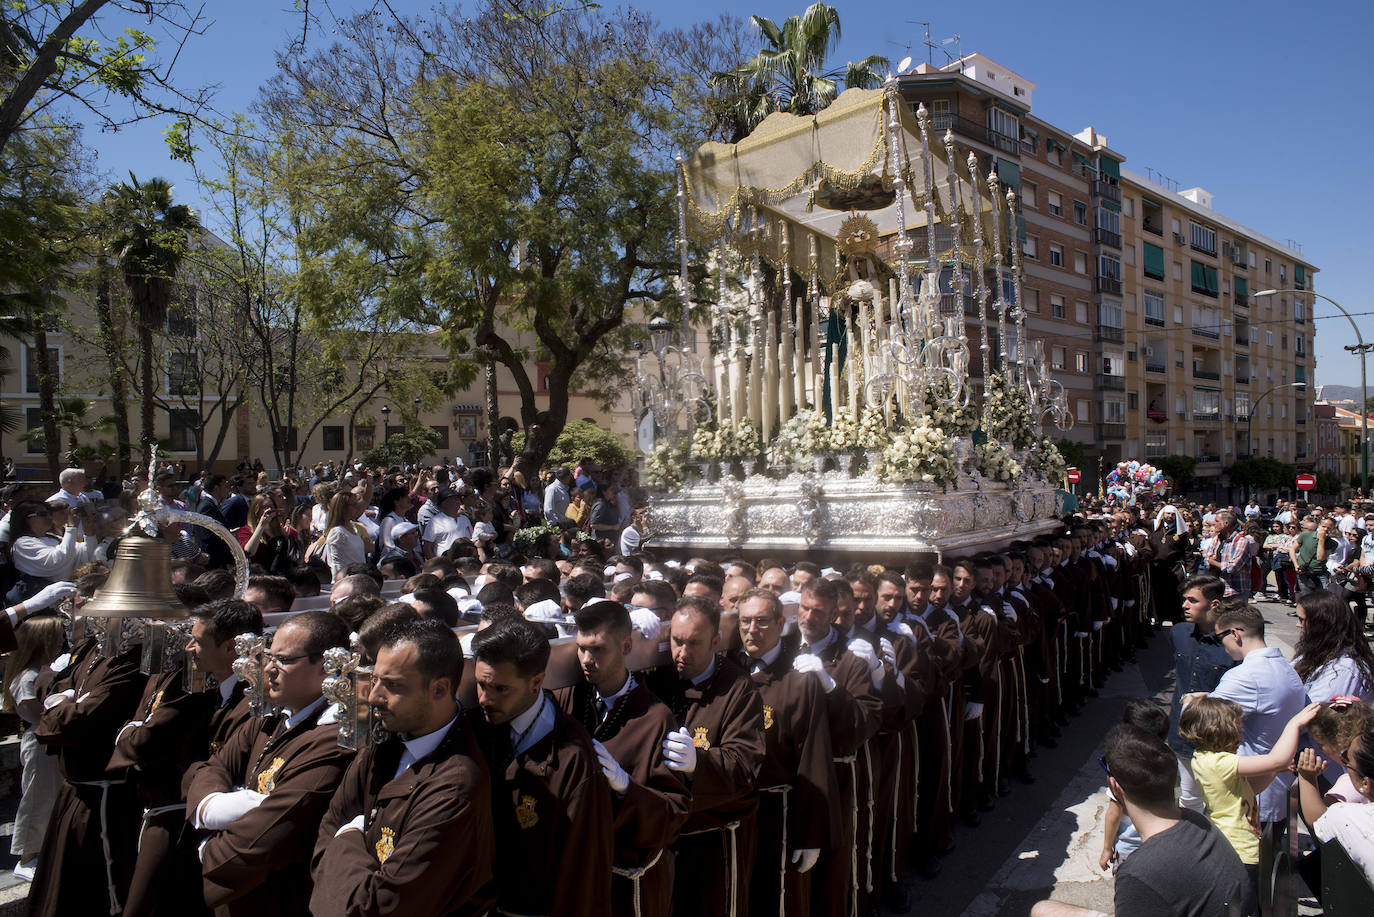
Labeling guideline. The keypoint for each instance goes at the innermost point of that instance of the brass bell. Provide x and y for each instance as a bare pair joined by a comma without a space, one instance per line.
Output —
140,583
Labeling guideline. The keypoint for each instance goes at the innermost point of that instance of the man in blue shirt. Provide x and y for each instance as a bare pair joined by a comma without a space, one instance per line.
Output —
1199,660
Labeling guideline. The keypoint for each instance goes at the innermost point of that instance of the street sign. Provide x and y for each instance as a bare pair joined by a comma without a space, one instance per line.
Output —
1306,482
1073,475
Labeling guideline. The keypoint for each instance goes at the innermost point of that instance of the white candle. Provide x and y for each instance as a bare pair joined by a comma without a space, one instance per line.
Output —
770,380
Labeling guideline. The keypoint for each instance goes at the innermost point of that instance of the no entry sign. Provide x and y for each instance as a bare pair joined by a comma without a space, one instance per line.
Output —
1306,482
1073,475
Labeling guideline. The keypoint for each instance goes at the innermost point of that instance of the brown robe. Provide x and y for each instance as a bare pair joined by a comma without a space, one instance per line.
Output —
173,731
653,808
797,778
427,846
88,818
724,716
259,866
551,812
8,642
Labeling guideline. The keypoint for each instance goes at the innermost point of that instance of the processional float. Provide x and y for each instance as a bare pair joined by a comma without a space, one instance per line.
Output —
866,384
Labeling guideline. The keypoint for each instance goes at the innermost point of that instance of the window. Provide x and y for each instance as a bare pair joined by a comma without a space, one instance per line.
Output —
1109,266
1269,339
1156,444
1299,345
1206,403
332,438
1154,307
442,432
1031,248
1113,365
941,117
1113,410
1084,412
1203,238
1128,206
1299,311
1283,342
1054,151
1268,265
1057,354
1109,314
31,368
1004,123
1028,190
33,420
1080,362
285,439
1205,279
1054,202
1242,405
183,372
183,426
1154,261
1283,410
1056,255
1057,306
1080,262
1080,312
1008,290
1080,213
181,319
1109,220
1133,401
1032,303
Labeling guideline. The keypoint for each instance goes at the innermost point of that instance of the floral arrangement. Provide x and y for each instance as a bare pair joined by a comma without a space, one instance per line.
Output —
663,467
994,462
1008,409
805,434
707,443
918,454
528,541
873,434
844,434
1045,460
946,413
740,440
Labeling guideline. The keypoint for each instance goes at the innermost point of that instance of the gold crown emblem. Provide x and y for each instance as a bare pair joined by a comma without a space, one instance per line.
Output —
525,814
767,717
267,780
699,738
385,845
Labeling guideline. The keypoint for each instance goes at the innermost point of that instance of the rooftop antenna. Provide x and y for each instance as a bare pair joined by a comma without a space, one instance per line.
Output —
957,41
930,48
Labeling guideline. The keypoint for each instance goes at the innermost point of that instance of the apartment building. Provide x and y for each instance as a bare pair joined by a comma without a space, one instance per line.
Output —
1143,298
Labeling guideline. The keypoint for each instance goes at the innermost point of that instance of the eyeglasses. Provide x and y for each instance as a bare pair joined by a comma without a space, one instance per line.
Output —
283,662
1102,759
42,514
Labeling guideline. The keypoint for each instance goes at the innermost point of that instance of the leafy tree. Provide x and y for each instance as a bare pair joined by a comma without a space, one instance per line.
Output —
1181,470
583,439
792,72
404,448
1074,452
1264,473
151,236
1328,483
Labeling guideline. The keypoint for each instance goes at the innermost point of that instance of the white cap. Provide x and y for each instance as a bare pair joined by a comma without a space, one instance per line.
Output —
790,598
546,610
401,529
468,605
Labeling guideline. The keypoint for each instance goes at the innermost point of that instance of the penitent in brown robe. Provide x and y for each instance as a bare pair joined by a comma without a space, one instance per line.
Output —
259,866
172,731
654,806
94,824
427,846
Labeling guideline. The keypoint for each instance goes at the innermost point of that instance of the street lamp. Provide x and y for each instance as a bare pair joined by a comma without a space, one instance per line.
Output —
1358,347
659,327
1250,423
386,433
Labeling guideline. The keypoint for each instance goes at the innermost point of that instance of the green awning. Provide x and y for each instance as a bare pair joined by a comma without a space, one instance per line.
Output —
1009,174
1210,275
1154,261
1109,166
1109,205
1299,273
1241,286
1205,279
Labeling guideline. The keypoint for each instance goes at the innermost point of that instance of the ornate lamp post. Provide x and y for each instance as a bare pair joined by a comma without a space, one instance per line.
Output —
677,384
386,433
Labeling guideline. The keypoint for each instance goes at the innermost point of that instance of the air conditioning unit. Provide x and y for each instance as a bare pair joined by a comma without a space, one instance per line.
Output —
1178,237
1149,351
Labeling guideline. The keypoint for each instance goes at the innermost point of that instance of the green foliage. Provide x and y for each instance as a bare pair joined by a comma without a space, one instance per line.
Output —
528,541
404,448
1075,453
1261,473
1181,470
583,439
1328,483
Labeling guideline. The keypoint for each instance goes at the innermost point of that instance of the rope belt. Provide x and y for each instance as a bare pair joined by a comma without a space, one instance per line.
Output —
896,789
149,814
634,874
730,829
868,849
782,790
115,907
949,758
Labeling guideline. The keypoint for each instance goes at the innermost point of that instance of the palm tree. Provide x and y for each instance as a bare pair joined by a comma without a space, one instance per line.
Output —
150,238
790,73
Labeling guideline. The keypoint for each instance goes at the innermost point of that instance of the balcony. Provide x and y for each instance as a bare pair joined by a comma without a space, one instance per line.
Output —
1109,285
1301,421
975,131
1155,367
1111,431
1151,227
1115,335
1205,374
1107,189
947,305
1152,320
1242,339
1107,237
1111,383
1242,300
1208,458
1212,332
1242,380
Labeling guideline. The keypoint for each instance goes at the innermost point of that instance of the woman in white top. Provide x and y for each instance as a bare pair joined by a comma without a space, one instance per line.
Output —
40,640
39,553
1332,657
394,501
342,543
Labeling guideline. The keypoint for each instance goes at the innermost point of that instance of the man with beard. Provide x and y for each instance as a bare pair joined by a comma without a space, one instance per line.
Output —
718,748
260,798
422,793
551,807
628,726
798,811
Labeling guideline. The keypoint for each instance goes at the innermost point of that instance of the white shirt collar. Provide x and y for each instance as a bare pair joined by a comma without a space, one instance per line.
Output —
424,745
610,701
710,670
226,688
532,725
820,645
767,658
293,718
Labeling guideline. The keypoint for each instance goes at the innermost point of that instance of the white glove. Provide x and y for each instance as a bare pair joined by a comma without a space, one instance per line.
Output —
905,630
219,810
890,657
810,665
679,753
357,824
615,774
1097,625
646,622
49,596
805,858
973,711
864,650
52,700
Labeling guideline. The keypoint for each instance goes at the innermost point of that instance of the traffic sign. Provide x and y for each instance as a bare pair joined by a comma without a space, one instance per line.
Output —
1073,476
1306,482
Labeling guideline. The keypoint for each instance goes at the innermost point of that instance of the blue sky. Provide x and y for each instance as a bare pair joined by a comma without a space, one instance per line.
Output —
1260,102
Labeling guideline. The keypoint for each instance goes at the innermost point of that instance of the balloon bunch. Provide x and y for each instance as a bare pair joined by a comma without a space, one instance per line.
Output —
1128,480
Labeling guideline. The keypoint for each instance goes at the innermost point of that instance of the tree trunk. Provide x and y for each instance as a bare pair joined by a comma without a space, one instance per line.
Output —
493,419
145,344
52,437
114,358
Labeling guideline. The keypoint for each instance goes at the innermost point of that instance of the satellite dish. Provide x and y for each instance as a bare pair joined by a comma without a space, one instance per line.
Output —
904,65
